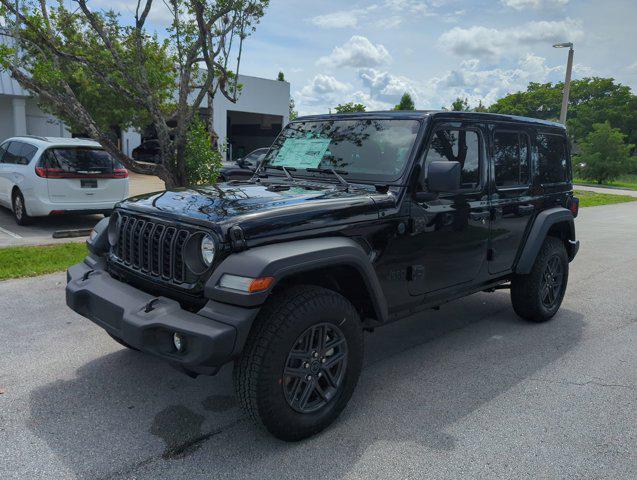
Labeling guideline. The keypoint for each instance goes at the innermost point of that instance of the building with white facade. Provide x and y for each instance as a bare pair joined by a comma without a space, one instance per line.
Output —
252,122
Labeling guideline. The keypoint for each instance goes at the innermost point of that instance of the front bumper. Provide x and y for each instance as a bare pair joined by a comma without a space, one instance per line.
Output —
213,336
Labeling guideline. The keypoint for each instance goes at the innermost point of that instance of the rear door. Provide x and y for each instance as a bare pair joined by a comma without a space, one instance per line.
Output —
513,205
83,174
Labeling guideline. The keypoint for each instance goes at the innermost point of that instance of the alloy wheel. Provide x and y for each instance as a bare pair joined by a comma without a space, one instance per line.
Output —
315,368
552,281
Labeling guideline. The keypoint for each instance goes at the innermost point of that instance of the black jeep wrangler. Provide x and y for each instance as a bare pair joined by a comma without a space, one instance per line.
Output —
350,222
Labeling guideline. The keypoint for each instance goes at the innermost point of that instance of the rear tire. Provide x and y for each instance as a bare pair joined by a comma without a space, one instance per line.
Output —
537,296
301,362
19,209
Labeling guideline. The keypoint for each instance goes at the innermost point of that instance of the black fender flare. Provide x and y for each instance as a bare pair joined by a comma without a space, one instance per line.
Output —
538,232
287,258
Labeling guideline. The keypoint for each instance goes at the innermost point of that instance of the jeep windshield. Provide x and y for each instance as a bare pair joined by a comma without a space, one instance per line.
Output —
363,149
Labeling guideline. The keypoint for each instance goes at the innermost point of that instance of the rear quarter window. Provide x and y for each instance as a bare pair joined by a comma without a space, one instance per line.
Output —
552,158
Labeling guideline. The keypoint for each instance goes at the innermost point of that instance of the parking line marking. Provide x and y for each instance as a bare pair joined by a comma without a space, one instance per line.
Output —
10,233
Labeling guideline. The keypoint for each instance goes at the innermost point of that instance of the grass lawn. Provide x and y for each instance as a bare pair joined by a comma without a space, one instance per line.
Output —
18,262
625,181
593,199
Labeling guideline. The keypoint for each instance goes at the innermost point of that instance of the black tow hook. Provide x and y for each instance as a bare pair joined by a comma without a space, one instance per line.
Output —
150,306
87,274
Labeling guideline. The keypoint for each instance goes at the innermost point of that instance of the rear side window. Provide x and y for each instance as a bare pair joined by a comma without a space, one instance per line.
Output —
79,160
552,158
18,153
457,145
511,158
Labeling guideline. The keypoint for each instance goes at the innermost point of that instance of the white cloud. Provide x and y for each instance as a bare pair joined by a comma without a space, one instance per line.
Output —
385,86
357,52
322,89
534,4
341,19
492,43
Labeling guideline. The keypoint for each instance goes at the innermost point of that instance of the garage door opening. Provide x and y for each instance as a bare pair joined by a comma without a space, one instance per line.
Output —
248,131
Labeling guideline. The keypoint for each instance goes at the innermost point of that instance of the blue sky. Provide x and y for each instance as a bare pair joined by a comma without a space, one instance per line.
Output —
372,51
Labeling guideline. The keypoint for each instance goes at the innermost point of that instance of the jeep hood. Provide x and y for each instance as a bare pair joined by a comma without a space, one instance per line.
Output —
259,209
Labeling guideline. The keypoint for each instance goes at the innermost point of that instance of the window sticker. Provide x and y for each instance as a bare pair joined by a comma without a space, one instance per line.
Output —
302,152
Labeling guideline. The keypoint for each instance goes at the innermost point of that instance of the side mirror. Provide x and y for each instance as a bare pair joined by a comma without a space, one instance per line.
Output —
241,162
443,177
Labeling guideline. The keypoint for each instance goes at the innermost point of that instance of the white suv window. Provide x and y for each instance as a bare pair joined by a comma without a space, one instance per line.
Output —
18,153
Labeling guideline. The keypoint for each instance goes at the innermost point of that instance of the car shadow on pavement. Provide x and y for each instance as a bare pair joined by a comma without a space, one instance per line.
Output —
125,411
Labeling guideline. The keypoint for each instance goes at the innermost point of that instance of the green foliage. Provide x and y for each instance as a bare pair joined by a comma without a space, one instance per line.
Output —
294,114
460,105
350,107
604,155
16,262
592,100
406,103
203,162
281,77
480,107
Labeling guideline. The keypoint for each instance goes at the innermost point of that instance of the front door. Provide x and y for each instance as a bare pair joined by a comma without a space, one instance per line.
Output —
448,236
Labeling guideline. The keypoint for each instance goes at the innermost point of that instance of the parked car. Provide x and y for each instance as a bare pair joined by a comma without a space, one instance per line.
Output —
352,221
147,151
42,176
242,168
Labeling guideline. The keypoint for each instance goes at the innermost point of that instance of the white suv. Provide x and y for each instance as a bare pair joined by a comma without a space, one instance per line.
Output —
48,176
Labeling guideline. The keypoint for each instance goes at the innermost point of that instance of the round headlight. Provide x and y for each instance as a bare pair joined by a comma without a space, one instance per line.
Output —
208,249
113,228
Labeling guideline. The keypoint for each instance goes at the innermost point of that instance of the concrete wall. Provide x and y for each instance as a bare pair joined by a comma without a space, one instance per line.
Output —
22,116
259,95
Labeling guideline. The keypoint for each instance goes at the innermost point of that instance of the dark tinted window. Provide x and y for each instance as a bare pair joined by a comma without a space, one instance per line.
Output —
511,158
552,162
79,160
19,153
456,145
3,148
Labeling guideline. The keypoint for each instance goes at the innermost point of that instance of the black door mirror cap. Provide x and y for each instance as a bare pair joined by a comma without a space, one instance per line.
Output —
443,176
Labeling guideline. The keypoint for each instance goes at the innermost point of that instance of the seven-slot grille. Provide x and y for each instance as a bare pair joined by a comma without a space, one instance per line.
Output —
152,248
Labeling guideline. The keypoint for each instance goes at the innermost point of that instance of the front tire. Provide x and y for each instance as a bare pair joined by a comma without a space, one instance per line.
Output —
19,209
537,296
301,362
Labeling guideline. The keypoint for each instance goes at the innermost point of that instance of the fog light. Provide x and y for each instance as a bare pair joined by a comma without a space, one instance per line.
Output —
178,342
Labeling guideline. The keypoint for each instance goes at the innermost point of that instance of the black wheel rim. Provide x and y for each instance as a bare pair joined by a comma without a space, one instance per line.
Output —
315,368
552,282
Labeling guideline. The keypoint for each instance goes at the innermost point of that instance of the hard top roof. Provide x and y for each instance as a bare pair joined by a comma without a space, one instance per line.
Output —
421,114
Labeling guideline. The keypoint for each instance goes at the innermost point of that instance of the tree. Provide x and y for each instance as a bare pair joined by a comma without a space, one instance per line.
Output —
480,107
460,105
604,154
93,69
281,77
293,113
406,103
592,100
350,107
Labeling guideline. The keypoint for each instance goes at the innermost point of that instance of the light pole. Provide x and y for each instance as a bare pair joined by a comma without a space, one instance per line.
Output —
567,80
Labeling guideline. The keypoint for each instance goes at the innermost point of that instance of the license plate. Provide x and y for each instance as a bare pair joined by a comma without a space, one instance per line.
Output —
89,183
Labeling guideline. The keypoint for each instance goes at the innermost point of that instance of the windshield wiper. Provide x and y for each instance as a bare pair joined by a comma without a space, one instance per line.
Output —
285,169
336,173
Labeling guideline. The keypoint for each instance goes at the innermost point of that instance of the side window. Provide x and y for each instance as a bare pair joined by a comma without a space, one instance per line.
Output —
552,162
3,148
510,158
457,145
19,153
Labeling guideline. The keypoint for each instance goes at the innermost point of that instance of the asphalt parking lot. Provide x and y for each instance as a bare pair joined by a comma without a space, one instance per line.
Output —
470,391
41,230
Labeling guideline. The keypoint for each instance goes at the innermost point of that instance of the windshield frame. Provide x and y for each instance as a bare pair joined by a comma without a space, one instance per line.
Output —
400,179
